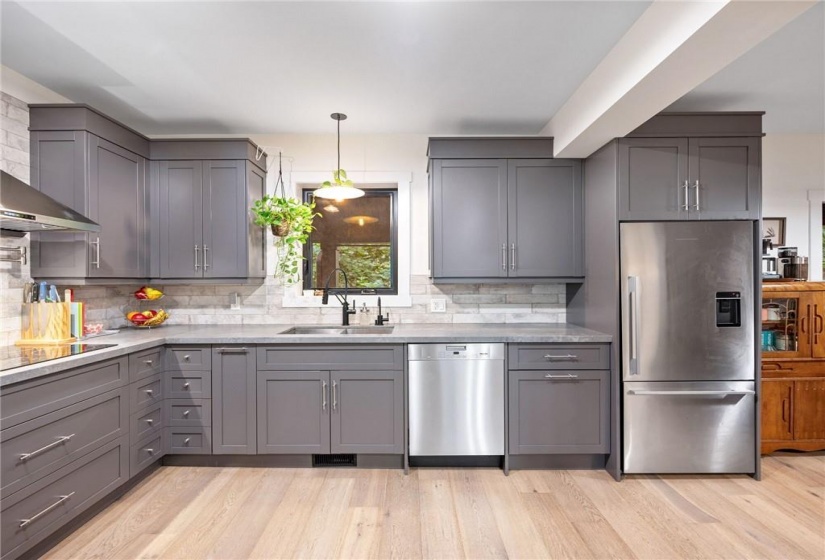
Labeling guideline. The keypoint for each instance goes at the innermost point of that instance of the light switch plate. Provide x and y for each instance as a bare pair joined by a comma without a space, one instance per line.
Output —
438,305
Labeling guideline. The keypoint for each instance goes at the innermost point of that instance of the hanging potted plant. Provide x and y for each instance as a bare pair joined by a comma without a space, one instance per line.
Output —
291,223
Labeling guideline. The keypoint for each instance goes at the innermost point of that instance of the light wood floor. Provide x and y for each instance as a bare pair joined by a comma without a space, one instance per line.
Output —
223,513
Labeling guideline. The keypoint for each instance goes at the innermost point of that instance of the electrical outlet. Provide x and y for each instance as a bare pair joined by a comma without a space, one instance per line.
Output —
438,305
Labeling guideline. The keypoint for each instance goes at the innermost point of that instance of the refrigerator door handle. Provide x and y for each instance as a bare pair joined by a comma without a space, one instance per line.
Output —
691,393
633,296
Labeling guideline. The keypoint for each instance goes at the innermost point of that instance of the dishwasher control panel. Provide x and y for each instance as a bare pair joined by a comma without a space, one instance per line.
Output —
456,351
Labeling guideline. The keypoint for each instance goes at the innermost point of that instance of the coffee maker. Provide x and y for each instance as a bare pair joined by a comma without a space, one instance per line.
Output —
792,266
769,261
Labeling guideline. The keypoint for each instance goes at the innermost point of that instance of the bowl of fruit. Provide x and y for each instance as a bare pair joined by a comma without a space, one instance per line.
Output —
148,318
147,292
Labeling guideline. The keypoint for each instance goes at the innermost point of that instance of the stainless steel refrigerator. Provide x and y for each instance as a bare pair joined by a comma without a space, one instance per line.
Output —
688,347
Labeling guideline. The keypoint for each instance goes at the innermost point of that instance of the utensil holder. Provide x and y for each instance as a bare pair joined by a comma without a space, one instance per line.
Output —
45,323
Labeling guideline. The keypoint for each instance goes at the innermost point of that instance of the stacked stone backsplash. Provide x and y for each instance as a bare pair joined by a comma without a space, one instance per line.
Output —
210,305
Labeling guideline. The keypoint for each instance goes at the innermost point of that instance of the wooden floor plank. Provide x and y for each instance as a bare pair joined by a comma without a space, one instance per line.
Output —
238,513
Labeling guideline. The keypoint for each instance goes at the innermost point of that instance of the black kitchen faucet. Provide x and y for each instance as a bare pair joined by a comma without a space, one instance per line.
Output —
344,303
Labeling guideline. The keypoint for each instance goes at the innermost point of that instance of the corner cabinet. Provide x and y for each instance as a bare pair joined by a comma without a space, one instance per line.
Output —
97,167
201,215
512,218
793,366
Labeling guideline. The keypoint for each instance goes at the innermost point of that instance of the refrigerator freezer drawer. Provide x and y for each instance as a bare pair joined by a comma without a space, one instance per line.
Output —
699,427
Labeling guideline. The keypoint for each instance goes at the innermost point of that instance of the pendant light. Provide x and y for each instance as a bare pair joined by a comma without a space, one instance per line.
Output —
340,188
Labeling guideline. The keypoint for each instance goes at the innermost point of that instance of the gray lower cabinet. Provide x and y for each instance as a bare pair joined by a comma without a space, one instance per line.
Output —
505,219
234,402
714,178
203,227
319,412
104,181
558,411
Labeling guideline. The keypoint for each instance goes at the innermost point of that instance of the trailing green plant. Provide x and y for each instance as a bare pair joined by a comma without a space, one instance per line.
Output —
291,222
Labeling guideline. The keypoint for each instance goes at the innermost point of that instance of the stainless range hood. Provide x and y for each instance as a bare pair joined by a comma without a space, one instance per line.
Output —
24,209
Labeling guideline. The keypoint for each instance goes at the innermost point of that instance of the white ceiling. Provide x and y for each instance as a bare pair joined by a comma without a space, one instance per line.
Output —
394,67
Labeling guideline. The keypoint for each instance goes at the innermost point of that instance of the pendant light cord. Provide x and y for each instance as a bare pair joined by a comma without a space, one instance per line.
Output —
338,169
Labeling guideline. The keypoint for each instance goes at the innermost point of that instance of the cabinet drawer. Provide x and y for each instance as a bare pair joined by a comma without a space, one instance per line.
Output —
308,357
793,369
146,393
27,400
194,413
31,450
192,441
559,412
144,364
559,356
189,358
189,385
146,423
145,453
60,496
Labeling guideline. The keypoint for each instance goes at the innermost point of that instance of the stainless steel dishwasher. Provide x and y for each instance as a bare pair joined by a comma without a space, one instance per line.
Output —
456,399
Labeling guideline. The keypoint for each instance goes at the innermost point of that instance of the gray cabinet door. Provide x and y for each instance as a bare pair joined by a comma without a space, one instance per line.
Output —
256,235
233,401
653,175
724,178
469,218
181,219
225,220
544,218
559,412
117,201
293,412
367,412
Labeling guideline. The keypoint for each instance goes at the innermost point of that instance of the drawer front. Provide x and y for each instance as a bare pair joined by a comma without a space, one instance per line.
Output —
62,495
189,441
556,411
145,453
189,358
194,413
145,364
793,369
146,423
145,393
323,357
28,400
189,385
34,449
559,356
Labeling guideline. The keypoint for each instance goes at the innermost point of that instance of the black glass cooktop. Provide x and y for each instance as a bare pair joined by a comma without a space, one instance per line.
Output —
18,356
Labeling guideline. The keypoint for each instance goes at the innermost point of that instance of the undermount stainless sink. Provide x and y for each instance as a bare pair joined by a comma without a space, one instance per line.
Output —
339,330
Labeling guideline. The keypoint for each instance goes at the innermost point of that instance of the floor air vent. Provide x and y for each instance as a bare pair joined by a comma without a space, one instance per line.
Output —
334,460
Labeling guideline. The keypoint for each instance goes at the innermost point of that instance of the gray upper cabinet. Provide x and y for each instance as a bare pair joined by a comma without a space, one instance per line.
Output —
699,178
202,215
233,401
97,167
517,217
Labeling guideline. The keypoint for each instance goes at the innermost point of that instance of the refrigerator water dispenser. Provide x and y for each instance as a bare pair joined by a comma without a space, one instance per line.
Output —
728,309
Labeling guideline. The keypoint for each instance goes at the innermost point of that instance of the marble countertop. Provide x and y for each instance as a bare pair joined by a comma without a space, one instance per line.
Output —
129,341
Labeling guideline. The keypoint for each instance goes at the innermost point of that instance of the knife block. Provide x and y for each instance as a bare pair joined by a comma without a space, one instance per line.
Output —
45,323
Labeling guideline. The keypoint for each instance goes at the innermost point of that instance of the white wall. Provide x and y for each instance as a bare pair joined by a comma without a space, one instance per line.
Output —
793,169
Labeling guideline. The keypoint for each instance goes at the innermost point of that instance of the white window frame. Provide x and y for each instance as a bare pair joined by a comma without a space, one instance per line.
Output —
296,296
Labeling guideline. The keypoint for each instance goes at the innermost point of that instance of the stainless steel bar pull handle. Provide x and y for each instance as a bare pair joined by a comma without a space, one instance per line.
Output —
633,286
685,193
561,358
150,421
148,362
692,393
205,257
503,256
36,516
230,350
323,395
197,264
149,392
696,186
513,256
96,244
334,395
59,441
185,414
561,376
186,386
